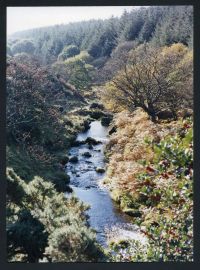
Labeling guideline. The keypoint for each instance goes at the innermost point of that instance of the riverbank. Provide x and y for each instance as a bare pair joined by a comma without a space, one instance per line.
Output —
150,174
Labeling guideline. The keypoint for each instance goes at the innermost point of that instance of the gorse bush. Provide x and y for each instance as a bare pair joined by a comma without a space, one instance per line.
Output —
56,226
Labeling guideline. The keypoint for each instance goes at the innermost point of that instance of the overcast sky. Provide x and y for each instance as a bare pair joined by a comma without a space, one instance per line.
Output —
22,18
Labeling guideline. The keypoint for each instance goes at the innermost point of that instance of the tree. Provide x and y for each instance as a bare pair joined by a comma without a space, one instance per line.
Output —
26,46
117,60
152,80
75,71
68,51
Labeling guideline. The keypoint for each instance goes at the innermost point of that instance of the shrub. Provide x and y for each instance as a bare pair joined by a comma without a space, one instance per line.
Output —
67,52
23,46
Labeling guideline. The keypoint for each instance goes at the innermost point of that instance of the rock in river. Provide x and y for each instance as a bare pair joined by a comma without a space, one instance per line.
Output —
92,141
87,154
100,170
105,121
73,159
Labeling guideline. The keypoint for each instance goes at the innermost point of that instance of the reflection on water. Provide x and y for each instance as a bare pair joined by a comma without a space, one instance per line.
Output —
103,213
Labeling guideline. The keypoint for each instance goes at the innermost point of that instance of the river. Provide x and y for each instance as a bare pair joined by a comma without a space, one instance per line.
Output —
104,215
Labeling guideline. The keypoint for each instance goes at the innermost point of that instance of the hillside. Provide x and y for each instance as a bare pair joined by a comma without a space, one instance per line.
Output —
149,174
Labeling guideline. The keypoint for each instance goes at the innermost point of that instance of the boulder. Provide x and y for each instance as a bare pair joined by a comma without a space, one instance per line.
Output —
132,212
165,114
89,162
87,154
92,141
96,114
105,121
73,159
86,125
97,150
100,170
112,130
96,106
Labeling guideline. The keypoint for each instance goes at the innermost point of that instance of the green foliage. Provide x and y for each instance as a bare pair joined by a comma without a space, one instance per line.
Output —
161,25
26,236
26,46
76,71
55,225
8,51
68,51
15,191
175,26
61,181
66,244
80,73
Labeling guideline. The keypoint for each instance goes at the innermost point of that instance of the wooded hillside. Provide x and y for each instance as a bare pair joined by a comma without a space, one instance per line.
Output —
135,74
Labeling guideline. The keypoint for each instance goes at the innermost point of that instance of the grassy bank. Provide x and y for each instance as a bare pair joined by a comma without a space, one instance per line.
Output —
149,174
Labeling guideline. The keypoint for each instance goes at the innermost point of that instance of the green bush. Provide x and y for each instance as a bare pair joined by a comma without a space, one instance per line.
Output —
56,226
68,51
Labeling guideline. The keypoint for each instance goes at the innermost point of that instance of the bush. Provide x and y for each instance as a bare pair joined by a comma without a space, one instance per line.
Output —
56,226
23,46
27,236
67,52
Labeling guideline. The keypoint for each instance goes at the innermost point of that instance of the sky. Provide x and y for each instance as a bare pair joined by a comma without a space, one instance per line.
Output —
23,18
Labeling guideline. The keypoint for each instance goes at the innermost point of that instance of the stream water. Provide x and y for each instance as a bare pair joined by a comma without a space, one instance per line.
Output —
104,216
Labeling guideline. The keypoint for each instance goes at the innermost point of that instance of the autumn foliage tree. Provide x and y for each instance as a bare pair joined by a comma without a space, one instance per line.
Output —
34,119
153,79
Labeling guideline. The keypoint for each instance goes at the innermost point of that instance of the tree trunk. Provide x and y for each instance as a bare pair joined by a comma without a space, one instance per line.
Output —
151,112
